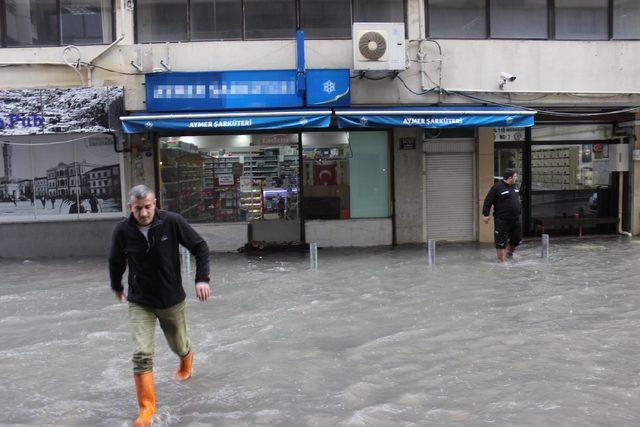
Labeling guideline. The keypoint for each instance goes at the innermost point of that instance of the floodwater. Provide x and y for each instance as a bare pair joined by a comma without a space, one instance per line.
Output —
372,338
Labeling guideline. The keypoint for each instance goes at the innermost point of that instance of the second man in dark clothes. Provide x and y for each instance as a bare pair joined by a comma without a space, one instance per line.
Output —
504,196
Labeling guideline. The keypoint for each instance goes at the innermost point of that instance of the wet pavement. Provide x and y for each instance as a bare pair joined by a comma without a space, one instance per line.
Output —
372,338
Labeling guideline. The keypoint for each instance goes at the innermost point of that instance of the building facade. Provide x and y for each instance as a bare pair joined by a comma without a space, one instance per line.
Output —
574,63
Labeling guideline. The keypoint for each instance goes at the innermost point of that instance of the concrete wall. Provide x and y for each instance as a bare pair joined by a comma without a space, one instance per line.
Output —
223,237
485,179
408,176
349,232
56,239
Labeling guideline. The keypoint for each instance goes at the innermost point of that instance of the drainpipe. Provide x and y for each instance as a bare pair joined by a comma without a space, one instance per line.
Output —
620,197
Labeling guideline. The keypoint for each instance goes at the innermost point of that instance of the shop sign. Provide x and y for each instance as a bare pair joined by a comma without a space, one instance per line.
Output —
225,179
274,140
328,88
508,134
27,120
407,143
60,110
222,90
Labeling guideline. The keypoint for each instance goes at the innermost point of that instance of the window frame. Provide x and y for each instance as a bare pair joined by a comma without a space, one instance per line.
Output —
58,43
551,26
298,22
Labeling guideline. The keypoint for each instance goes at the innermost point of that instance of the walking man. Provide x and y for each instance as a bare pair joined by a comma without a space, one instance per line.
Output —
148,243
507,210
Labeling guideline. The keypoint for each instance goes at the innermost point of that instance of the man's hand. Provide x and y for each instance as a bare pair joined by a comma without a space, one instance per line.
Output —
122,296
203,291
486,219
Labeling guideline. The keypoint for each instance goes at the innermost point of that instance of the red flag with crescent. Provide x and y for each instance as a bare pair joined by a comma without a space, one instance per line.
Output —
324,174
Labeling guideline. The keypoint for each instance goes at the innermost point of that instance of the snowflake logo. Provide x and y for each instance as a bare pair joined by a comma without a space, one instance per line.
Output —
329,87
148,125
303,122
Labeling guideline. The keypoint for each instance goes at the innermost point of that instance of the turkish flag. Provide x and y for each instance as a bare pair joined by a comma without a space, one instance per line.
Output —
325,174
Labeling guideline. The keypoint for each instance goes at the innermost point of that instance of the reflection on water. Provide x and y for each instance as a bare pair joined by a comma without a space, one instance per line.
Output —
372,338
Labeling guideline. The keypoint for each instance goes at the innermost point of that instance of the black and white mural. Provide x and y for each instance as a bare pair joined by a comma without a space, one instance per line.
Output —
57,162
66,110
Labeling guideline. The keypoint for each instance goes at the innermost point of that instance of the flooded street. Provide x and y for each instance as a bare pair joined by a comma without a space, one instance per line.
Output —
372,338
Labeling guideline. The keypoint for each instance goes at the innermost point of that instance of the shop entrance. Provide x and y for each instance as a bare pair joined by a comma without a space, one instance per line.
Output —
250,179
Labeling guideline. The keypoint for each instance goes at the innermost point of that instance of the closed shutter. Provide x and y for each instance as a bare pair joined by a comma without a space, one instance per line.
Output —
449,191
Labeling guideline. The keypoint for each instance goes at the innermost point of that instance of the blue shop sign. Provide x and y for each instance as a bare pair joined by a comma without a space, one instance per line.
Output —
224,90
328,88
26,120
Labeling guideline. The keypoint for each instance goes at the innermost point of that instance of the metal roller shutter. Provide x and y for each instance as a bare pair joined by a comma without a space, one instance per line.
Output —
449,191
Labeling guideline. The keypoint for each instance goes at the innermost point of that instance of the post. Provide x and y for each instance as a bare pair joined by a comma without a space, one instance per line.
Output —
431,253
545,246
186,260
313,256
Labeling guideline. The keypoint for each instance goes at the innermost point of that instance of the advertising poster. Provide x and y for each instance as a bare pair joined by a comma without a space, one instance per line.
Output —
68,179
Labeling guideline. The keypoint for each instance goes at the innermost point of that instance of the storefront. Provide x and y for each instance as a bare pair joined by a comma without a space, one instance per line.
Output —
310,175
574,176
61,176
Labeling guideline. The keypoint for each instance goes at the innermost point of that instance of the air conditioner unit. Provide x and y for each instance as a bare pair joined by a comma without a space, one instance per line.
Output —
378,46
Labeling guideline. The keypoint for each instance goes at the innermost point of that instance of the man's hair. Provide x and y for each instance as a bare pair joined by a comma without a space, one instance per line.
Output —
141,192
508,173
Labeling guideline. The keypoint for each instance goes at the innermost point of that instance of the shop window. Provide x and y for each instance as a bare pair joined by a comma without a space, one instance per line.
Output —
326,19
519,19
345,175
572,180
457,19
582,19
232,178
378,10
273,19
161,20
216,19
626,19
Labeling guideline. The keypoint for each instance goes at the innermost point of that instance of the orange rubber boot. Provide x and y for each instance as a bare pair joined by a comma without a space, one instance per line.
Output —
146,398
184,370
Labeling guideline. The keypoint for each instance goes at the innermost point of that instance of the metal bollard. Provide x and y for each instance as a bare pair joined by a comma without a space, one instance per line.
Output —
313,256
186,260
545,246
431,253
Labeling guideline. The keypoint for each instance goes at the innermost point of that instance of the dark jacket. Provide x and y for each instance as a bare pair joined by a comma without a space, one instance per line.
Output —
154,264
505,200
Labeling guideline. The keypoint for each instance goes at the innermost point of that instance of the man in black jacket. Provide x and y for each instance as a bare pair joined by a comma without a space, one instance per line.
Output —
148,242
507,210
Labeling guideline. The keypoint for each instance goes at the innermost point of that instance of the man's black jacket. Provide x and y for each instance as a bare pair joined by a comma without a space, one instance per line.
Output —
505,200
154,264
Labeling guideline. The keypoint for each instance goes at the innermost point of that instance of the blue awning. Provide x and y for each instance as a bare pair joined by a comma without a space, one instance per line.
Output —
434,117
227,121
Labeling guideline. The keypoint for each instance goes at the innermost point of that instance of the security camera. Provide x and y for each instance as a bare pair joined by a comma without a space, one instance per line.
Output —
507,77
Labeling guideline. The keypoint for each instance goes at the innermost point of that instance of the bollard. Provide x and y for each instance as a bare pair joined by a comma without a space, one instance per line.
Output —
313,256
186,260
431,253
545,246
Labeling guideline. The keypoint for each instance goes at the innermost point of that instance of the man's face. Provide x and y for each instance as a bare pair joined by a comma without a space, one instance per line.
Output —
143,209
512,180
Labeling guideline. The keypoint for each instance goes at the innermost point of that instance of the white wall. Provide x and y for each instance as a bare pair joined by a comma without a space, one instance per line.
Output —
223,237
349,232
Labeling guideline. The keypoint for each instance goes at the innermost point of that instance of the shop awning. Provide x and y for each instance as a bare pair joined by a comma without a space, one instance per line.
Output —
434,117
231,121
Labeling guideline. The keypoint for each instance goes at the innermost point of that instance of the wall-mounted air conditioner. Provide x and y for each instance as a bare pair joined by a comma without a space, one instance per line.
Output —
378,46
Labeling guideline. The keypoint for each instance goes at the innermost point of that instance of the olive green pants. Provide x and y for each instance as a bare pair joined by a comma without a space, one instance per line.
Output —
142,323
